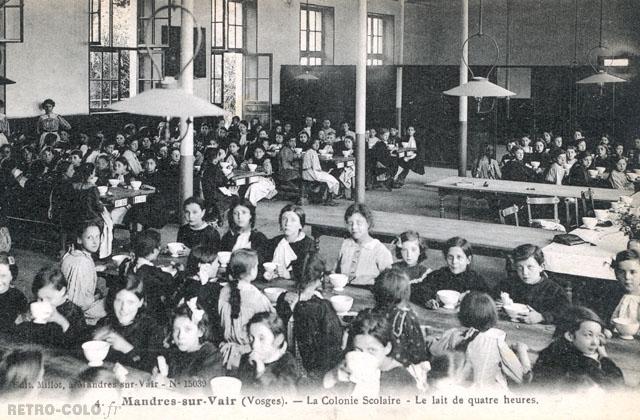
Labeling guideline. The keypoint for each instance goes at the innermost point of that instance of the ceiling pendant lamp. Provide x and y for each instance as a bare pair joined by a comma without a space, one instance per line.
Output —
601,76
168,99
480,87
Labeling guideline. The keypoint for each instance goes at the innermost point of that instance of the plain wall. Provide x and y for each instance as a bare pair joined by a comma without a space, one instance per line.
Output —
52,62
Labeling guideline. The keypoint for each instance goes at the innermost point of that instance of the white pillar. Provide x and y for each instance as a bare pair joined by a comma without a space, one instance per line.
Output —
462,117
361,100
186,83
399,71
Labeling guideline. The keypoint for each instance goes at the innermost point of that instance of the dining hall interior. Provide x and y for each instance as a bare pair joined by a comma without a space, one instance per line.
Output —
403,196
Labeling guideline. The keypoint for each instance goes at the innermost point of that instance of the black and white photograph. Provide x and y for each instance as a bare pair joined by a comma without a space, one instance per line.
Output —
319,209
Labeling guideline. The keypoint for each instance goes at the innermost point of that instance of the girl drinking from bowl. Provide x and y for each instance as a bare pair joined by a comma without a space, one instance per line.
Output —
12,301
291,249
392,292
317,332
81,273
489,360
135,337
362,258
196,231
239,301
533,286
411,250
62,322
456,275
270,367
192,356
370,333
241,233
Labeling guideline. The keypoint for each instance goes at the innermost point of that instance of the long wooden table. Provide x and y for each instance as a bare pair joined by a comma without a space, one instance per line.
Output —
486,238
623,352
240,177
120,197
460,186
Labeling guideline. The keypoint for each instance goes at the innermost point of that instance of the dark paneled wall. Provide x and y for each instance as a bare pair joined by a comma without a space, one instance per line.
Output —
556,104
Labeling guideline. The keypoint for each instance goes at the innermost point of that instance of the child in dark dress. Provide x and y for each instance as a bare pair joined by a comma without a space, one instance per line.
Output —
392,292
411,250
317,332
65,326
192,355
456,275
196,231
135,338
269,367
159,282
577,358
533,287
12,301
371,333
291,249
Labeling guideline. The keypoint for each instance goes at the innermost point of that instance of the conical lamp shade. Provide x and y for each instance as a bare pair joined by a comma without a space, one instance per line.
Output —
479,87
5,81
306,76
168,101
600,78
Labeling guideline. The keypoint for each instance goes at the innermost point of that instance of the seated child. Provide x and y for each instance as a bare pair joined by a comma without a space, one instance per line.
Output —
371,333
392,292
192,355
361,257
456,275
269,367
261,186
12,301
196,231
80,271
65,326
291,250
534,287
627,269
135,337
159,282
618,178
317,332
556,172
18,367
312,171
577,357
411,251
488,357
239,302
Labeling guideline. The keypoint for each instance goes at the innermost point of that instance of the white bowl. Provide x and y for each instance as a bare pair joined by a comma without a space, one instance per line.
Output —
346,153
338,281
589,222
136,185
114,182
226,386
252,167
593,173
602,215
103,190
627,327
341,303
224,257
516,309
601,169
298,150
118,259
535,164
175,248
449,298
270,267
626,200
360,362
95,351
272,293
41,311
632,176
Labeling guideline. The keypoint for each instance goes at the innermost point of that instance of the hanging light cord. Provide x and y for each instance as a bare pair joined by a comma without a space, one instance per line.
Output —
480,34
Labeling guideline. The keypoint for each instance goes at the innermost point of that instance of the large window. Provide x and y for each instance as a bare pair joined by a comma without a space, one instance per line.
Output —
11,21
235,27
379,40
311,36
113,56
149,26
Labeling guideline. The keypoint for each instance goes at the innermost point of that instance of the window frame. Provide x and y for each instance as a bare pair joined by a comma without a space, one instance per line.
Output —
375,58
141,21
20,7
228,25
107,50
306,55
93,14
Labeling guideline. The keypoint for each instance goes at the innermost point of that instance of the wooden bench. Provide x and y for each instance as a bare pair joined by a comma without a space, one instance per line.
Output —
487,238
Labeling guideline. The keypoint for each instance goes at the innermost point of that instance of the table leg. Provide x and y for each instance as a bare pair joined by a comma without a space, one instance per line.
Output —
441,196
460,207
